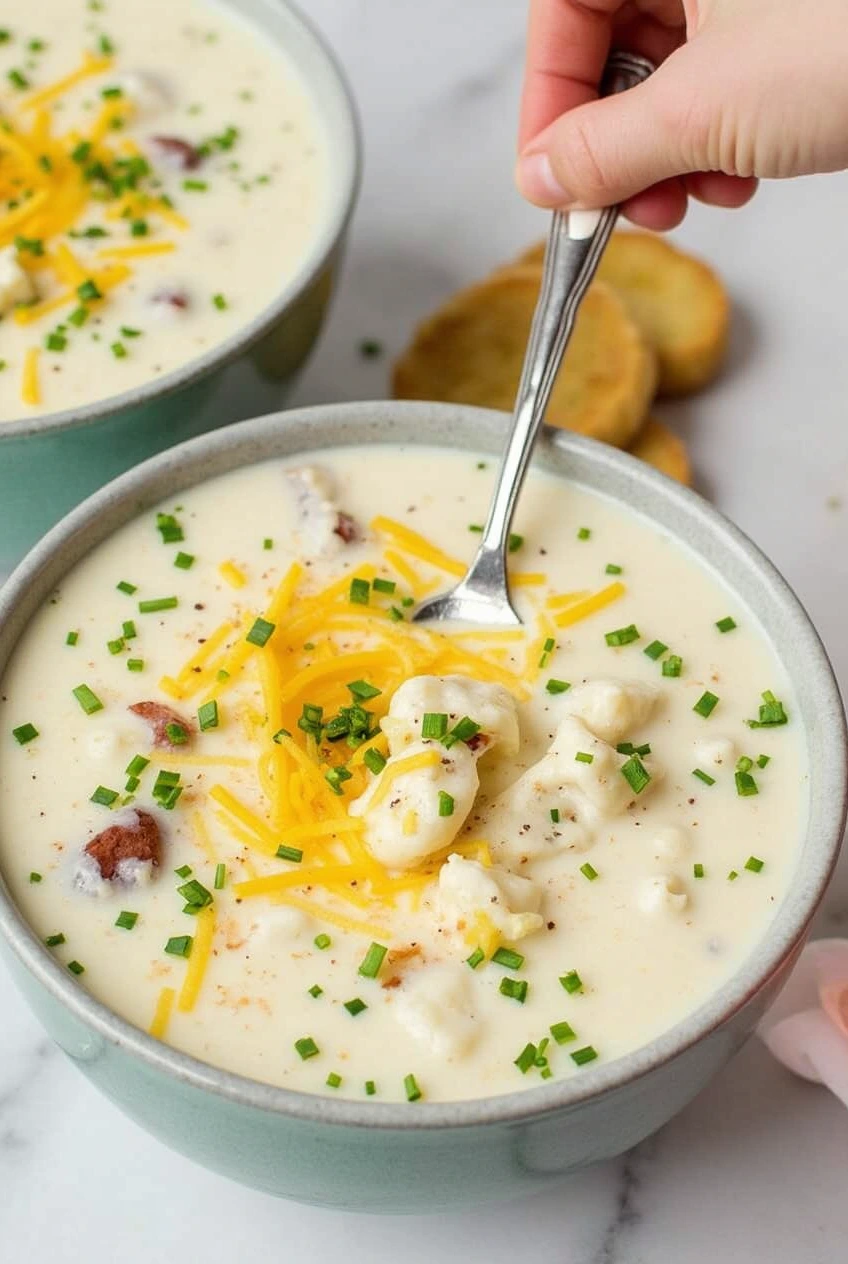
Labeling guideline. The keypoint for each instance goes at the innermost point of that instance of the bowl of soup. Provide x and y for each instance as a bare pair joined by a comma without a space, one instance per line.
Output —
176,181
398,916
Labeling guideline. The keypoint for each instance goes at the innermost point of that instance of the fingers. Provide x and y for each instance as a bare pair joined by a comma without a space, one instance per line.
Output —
659,208
567,45
717,189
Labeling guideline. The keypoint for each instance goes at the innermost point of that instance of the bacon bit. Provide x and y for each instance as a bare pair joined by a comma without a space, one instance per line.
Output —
177,153
116,843
403,954
479,741
171,298
393,982
346,527
158,716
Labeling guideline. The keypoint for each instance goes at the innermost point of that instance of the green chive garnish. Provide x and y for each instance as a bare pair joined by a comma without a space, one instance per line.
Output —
557,686
135,664
88,291
410,1084
72,638
434,724
125,587
582,1056
261,632
370,1088
55,941
383,585
369,967
703,776
583,757
476,957
322,941
772,713
732,876
360,592
76,968
220,876
87,699
184,871
612,569
583,533
745,784
207,716
335,776
355,1006
562,1032
446,803
462,731
126,920
35,876
622,636
555,815
571,981
673,665
526,1058
655,650
129,629
509,958
294,854
24,733
306,1047
698,870
333,1080
754,864
315,991
104,796
515,989
589,871
363,691
179,945
706,704
184,561
727,624
156,604
635,773
763,760
373,760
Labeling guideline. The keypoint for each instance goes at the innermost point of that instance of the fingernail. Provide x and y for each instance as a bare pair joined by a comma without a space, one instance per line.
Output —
537,181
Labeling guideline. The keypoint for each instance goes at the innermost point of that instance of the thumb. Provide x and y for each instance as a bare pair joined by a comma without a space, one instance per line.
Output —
609,150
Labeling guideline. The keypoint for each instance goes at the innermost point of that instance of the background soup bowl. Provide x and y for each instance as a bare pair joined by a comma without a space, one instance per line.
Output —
401,1157
50,462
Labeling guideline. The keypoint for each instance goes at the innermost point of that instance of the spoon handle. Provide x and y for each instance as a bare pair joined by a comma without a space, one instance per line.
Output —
575,245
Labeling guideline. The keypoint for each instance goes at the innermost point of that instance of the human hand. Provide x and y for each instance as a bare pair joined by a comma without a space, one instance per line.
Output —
743,89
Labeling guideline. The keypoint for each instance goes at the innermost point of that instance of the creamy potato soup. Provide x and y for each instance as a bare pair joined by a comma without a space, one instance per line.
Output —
262,815
161,177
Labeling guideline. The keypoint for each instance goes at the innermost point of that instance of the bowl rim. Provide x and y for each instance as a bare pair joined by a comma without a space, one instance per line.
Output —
342,193
359,423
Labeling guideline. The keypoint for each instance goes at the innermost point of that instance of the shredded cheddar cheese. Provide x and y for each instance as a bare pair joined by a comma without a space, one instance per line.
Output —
590,605
201,950
162,1013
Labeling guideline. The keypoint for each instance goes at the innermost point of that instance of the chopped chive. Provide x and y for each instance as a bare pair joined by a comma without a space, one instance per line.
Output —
555,815
515,542
195,186
360,592
557,686
370,348
727,624
395,615
462,731
333,1080
703,776
18,80
583,757
24,733
267,543
622,636
72,638
261,632
55,342
355,1006
673,665
706,704
132,784
184,871
306,1047
583,533
126,920
732,876
772,713
179,945
294,854
698,870
104,796
128,332
115,647
279,735
184,561
410,1085
562,1032
526,1058
745,784
589,871
220,876
76,968
446,803
156,604
406,602
125,587
635,773
335,776
754,864
118,350
515,989
35,876
128,629
369,967
655,650
315,991
476,957
176,734
195,893
744,764
612,569
207,715
763,760
373,760
322,941
571,982
582,1056
88,291
434,724
362,690
135,664
78,317
137,765
383,585
55,941
370,1088
87,699
169,528
509,958
105,45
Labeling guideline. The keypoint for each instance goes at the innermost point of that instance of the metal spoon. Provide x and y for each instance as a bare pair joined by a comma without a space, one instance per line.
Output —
575,245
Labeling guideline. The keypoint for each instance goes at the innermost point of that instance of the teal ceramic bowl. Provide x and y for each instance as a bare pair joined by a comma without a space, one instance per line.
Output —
369,1156
49,463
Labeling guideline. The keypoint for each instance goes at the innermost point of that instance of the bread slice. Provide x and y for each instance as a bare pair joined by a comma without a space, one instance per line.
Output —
471,351
678,302
663,449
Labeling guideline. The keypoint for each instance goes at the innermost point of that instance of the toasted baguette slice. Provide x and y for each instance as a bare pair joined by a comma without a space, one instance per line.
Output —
471,351
663,449
678,302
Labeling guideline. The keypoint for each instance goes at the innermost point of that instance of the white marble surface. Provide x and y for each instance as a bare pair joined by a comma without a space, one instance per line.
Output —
755,1168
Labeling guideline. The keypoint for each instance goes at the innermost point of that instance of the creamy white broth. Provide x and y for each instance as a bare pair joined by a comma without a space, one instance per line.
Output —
240,221
643,961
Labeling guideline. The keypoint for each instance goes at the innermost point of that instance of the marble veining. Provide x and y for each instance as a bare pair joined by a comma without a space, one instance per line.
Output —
755,1168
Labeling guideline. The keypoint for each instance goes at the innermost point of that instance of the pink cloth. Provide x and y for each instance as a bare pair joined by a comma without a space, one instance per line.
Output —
807,1027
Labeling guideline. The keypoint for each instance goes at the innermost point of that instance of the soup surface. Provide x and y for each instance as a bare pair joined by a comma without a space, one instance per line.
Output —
261,814
162,175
